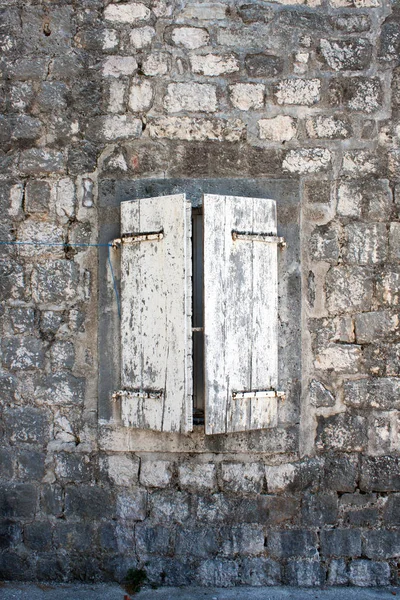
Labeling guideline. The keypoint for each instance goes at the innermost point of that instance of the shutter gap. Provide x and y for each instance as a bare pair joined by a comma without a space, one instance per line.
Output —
198,316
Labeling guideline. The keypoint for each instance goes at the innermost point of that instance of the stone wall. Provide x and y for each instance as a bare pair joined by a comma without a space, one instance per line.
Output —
95,93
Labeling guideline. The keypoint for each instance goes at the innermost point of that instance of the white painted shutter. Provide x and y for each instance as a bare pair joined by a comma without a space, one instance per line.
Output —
240,313
156,337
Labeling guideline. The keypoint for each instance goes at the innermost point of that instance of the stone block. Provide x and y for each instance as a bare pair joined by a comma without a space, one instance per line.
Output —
216,508
317,192
62,355
359,94
52,96
340,472
122,469
348,289
119,66
380,474
38,536
65,199
140,96
82,158
31,465
132,505
394,241
74,467
320,395
372,327
50,567
281,128
346,55
171,572
263,65
156,473
88,502
195,129
353,23
364,517
338,573
307,160
50,322
75,537
153,540
10,534
378,393
22,319
372,201
260,571
304,573
246,96
391,511
141,37
242,477
114,127
18,500
365,244
367,573
14,567
218,573
108,537
341,542
205,11
319,509
389,41
242,540
56,282
129,13
41,161
330,127
6,463
12,281
324,243
169,506
197,477
188,37
61,388
22,353
33,230
197,97
303,92
197,543
26,69
339,358
287,544
213,65
381,544
343,431
156,64
51,498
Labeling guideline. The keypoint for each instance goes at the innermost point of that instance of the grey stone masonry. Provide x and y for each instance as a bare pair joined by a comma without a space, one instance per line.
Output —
103,101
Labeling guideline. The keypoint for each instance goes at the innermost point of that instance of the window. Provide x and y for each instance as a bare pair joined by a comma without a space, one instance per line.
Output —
159,338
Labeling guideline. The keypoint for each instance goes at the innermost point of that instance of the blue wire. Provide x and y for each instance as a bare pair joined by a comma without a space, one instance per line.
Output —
79,244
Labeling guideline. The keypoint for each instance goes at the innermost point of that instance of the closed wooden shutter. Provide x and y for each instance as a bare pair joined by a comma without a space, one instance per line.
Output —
240,313
156,354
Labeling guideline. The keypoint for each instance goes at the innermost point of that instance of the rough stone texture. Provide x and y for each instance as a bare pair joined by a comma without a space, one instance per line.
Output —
292,100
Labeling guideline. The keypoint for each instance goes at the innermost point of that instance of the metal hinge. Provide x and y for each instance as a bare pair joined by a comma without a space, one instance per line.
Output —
259,394
138,394
134,238
259,237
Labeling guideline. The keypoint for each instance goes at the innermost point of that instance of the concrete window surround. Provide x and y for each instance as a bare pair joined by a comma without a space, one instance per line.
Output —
112,434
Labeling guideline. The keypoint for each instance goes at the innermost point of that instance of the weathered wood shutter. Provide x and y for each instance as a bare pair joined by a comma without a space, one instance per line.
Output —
240,313
156,370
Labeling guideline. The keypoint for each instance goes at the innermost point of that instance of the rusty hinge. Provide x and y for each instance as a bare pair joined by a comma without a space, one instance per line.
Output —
134,238
258,394
259,237
138,394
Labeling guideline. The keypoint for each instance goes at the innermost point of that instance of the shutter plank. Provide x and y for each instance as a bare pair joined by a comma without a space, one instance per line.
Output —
240,281
155,315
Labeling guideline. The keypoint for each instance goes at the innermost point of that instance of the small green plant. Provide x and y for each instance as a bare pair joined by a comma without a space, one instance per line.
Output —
134,580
